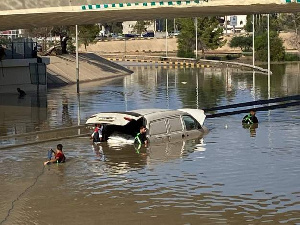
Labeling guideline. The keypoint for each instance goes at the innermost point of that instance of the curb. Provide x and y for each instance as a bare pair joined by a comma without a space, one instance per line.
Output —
164,63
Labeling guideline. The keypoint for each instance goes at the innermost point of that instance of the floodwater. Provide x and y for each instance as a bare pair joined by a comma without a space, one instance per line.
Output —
231,176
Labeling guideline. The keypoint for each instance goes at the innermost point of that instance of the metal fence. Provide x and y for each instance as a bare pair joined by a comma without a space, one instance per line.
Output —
21,50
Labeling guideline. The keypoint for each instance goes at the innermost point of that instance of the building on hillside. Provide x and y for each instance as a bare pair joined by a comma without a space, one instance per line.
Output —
11,34
128,27
234,24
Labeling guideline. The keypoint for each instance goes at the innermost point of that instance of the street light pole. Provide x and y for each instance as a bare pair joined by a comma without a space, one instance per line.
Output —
269,59
253,39
174,26
196,28
77,58
166,37
253,53
125,45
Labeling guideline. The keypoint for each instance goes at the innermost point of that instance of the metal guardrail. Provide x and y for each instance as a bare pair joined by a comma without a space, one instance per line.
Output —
179,60
237,64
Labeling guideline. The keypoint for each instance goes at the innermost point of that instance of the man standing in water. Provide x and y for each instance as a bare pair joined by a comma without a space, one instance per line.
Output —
59,156
251,118
97,134
141,138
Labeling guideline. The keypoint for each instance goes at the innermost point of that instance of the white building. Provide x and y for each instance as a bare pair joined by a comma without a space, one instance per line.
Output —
128,27
234,24
11,34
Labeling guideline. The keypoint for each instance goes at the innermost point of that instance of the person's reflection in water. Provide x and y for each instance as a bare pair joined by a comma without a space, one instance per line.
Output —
98,150
252,128
66,119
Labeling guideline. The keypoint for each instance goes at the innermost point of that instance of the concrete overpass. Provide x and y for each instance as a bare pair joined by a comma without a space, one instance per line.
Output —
16,14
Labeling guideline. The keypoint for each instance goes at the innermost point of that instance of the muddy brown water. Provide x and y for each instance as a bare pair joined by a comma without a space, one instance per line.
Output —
234,175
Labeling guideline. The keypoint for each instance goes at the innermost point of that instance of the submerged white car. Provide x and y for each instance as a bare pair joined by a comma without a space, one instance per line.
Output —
162,124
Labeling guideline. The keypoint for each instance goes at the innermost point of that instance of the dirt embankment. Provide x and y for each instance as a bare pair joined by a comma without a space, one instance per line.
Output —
159,45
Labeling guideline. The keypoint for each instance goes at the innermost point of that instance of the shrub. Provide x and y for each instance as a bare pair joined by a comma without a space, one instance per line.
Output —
291,57
242,42
276,50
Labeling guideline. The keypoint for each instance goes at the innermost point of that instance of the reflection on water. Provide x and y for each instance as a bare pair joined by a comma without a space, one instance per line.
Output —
252,128
234,175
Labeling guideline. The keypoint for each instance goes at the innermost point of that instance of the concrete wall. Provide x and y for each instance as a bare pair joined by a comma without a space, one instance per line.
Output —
15,73
145,45
159,45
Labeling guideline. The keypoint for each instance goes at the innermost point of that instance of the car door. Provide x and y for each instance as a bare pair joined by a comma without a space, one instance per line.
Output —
158,131
191,126
175,128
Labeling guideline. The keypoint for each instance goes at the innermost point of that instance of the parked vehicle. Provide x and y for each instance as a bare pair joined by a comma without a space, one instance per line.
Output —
162,124
131,35
174,34
148,34
116,36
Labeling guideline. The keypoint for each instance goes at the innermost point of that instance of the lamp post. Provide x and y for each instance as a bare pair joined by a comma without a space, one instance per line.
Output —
253,52
77,58
196,28
269,59
166,37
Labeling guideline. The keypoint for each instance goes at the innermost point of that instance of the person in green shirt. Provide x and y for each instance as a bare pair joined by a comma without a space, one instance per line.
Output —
141,138
250,118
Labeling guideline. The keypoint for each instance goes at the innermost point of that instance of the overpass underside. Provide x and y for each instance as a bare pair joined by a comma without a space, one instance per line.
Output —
32,13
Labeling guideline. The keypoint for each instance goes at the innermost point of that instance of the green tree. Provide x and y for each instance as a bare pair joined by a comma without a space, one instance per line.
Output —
276,43
242,42
114,27
261,23
4,41
261,42
209,35
248,25
87,34
141,26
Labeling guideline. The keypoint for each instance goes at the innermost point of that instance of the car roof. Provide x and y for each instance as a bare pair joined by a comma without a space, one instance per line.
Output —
151,114
144,112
